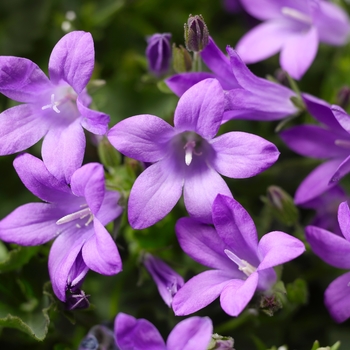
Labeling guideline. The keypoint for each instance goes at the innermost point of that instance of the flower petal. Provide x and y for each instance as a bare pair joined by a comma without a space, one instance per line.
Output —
237,294
313,141
331,248
200,109
154,193
343,169
31,224
342,117
240,155
21,79
265,40
199,291
317,182
202,185
39,181
193,333
100,252
110,208
89,182
20,128
143,137
133,334
236,228
276,248
202,243
94,121
179,83
337,298
63,150
344,219
72,59
291,59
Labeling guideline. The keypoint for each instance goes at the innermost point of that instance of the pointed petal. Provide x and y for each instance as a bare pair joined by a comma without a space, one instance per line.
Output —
193,333
265,9
110,208
317,182
31,224
321,110
265,40
21,79
94,121
332,23
72,59
237,294
337,298
313,141
89,182
100,252
179,83
240,155
236,228
133,334
200,109
299,52
143,137
154,193
343,169
331,248
200,291
342,117
202,185
39,181
276,248
218,63
63,150
344,219
202,243
20,128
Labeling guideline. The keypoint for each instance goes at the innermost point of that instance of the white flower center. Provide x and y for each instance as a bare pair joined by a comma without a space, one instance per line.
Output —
78,215
243,265
297,15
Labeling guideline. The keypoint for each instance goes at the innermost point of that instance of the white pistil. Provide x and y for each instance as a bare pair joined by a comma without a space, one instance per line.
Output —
52,105
189,147
243,265
295,14
80,214
342,143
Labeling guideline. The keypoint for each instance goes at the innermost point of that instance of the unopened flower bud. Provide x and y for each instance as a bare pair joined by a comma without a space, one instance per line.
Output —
158,53
98,338
343,97
219,342
196,33
182,61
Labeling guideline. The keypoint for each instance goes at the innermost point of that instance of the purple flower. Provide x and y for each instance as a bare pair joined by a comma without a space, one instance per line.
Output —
193,333
241,265
158,53
55,108
232,6
329,142
187,156
74,215
335,251
294,27
247,96
167,280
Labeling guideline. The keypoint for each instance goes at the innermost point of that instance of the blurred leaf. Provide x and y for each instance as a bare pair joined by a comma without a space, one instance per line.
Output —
17,257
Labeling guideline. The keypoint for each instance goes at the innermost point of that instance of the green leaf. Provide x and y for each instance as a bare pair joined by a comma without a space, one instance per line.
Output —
16,258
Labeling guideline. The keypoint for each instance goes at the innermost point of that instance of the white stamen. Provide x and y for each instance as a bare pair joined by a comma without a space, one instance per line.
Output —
243,265
80,214
295,14
189,147
342,143
52,105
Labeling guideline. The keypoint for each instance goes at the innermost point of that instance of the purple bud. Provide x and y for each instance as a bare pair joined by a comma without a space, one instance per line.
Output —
76,299
158,53
167,280
98,338
196,34
343,97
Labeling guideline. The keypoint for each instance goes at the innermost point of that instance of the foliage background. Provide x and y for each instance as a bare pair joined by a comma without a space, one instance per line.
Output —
31,29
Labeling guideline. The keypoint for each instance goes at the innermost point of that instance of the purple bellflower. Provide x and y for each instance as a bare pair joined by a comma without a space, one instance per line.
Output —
73,215
158,53
247,96
335,251
241,265
167,280
56,108
187,156
193,333
294,27
329,142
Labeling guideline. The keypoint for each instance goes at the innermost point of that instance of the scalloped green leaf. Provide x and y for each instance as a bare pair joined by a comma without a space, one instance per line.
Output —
17,257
